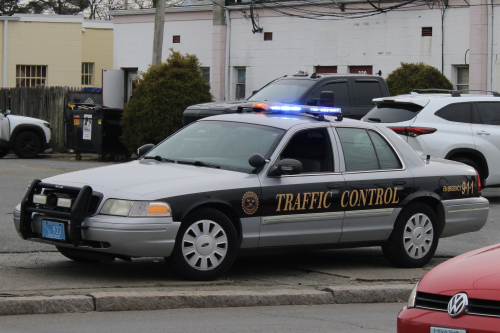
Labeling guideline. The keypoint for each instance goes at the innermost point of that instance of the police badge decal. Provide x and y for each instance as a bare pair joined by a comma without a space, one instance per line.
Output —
250,203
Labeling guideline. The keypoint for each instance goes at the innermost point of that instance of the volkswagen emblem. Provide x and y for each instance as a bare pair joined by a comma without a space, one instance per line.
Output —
458,305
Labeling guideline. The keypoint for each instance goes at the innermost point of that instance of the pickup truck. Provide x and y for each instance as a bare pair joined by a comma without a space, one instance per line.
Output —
353,93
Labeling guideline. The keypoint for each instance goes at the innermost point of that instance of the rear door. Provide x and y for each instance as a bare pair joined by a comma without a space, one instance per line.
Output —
486,134
377,182
304,209
365,90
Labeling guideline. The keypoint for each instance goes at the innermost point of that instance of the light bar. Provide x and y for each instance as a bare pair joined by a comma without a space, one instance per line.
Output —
313,110
40,199
325,110
293,108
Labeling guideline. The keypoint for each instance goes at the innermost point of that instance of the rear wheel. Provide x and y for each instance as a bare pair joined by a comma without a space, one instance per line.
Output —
415,237
83,256
27,145
473,164
206,245
3,152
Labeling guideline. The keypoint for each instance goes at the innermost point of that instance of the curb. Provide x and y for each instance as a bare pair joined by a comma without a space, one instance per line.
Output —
156,300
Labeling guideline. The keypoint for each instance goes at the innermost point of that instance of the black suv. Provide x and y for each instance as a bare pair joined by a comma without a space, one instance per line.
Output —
353,93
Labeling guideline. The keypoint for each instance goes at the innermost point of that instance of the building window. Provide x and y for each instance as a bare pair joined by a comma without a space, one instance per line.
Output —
268,36
205,72
176,39
326,69
426,31
241,78
87,73
462,77
31,76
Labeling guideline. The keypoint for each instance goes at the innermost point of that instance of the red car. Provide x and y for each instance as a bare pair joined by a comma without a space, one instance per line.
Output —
462,295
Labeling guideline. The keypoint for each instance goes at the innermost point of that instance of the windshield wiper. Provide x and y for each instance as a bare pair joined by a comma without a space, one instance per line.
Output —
159,159
199,163
375,119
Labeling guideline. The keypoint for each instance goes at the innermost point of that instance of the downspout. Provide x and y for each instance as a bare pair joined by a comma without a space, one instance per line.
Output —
490,44
227,89
4,68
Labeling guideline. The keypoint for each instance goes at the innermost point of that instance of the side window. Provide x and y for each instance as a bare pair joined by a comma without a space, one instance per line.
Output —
366,150
459,112
312,148
340,91
489,113
365,91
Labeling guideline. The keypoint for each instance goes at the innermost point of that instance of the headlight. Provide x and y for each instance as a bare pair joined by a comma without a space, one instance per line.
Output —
135,208
412,298
46,125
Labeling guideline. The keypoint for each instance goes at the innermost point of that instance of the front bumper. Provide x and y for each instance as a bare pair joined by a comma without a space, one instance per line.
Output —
127,236
464,215
417,320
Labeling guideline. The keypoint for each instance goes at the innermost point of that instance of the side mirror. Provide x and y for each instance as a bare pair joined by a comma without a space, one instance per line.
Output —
257,161
326,98
7,112
287,166
142,150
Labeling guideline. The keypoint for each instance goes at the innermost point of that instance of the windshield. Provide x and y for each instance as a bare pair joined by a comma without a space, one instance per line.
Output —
283,91
392,112
226,145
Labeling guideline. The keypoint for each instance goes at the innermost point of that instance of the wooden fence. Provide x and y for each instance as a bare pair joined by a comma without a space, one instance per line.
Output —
47,103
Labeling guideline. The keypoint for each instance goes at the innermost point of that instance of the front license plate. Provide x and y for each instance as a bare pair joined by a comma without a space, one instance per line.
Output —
53,230
446,330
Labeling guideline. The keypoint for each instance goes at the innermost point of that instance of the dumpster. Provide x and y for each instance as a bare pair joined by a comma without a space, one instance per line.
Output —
96,129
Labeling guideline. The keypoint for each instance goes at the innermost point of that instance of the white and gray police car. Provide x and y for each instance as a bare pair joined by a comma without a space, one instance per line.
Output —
280,176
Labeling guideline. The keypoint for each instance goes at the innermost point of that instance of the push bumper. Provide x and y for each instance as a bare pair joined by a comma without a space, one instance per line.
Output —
464,215
133,237
421,320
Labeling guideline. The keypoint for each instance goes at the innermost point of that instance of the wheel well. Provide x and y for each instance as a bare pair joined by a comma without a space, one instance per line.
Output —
436,206
37,131
472,155
226,210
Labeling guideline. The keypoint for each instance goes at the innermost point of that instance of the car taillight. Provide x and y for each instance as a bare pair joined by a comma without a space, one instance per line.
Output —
413,131
478,182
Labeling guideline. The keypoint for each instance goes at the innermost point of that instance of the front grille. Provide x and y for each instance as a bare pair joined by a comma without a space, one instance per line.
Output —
477,307
93,204
432,301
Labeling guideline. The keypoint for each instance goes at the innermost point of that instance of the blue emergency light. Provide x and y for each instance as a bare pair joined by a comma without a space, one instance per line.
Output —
317,111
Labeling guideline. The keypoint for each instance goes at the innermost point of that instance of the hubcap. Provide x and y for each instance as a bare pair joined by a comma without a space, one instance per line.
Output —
28,145
204,245
418,236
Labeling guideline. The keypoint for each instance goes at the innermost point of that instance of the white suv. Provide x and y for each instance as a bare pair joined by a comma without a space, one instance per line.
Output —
460,127
25,135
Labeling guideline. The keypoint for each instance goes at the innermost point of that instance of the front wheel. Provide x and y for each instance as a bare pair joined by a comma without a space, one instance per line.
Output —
206,245
415,237
27,145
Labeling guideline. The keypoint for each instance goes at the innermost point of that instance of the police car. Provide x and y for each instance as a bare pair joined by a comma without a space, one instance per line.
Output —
290,176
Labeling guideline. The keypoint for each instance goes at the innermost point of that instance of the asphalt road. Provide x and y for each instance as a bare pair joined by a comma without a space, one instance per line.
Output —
16,174
347,318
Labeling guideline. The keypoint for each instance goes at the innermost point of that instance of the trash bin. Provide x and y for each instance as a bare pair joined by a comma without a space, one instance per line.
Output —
96,129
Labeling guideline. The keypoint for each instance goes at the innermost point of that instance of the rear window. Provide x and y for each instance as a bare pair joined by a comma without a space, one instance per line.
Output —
392,112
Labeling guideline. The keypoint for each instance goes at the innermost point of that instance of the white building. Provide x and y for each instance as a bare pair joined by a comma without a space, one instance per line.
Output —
239,60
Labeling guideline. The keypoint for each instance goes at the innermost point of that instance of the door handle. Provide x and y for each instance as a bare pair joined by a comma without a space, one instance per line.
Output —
483,132
399,182
335,186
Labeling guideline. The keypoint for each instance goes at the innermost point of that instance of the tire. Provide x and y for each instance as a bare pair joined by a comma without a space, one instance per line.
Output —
206,245
27,145
415,237
473,164
3,152
83,256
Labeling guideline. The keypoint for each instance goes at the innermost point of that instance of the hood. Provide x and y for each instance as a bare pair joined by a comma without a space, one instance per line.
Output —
230,107
24,119
147,177
476,273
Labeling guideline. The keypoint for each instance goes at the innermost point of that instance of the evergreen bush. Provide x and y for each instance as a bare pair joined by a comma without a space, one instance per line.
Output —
155,109
416,76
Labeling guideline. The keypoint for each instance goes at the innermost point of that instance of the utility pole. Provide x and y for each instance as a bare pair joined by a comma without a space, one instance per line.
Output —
158,36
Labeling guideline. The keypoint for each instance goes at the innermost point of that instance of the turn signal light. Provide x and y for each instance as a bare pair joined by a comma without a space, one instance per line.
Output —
260,106
413,131
158,209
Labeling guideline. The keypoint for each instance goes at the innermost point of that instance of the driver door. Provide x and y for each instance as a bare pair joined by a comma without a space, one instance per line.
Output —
304,208
4,128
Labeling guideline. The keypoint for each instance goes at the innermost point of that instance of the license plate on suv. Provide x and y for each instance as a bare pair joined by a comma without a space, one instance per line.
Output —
53,230
446,330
